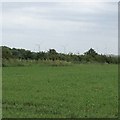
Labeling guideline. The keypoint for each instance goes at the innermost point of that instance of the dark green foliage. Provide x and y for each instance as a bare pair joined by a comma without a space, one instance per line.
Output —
52,54
91,52
6,53
91,56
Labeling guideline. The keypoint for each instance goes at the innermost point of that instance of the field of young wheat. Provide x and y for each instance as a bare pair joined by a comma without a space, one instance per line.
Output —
74,91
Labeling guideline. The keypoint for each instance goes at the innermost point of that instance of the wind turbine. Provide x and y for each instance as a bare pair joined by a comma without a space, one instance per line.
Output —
39,46
64,48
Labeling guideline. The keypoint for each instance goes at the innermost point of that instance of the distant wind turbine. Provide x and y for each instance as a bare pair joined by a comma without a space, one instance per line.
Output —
39,46
64,48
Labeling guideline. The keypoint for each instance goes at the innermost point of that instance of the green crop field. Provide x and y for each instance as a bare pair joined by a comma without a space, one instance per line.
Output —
74,91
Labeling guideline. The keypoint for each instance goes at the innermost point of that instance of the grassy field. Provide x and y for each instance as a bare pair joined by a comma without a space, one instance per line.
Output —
76,91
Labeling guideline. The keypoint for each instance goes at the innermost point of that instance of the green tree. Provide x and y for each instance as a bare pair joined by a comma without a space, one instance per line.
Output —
6,53
91,52
53,55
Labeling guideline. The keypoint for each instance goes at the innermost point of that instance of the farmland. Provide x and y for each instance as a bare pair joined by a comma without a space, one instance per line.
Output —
74,91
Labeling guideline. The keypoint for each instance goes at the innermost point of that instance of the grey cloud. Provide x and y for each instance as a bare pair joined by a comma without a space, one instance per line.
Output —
57,24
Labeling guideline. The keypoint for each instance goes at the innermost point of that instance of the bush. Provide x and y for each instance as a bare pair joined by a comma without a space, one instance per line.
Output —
14,62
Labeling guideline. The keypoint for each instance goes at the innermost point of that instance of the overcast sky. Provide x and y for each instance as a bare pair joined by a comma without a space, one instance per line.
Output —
65,26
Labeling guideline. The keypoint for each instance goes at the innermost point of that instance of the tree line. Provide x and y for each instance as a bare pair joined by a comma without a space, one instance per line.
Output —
91,56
